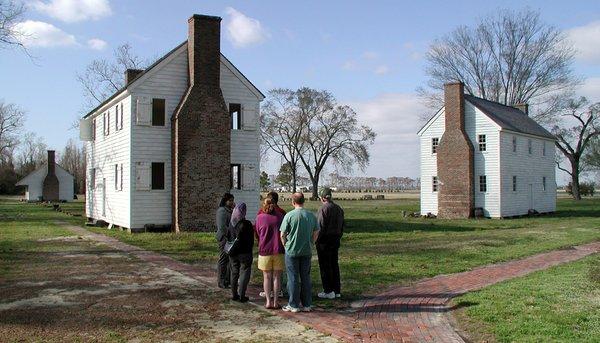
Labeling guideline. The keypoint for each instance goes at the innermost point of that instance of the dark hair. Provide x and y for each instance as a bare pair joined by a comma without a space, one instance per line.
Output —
298,198
273,196
226,197
268,205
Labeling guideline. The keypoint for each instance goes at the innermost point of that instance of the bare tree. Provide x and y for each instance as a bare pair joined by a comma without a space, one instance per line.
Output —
31,154
72,159
591,159
280,128
510,57
330,132
580,125
10,14
102,77
11,121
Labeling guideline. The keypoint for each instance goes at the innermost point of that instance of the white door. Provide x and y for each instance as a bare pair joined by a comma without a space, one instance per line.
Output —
104,197
531,200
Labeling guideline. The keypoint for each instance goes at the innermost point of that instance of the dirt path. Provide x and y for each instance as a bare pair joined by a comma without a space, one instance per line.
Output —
402,314
90,291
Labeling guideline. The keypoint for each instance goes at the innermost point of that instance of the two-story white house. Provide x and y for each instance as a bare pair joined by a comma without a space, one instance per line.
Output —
477,153
163,149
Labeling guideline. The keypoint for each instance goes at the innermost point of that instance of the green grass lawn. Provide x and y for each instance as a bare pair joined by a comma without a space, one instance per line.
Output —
561,304
382,248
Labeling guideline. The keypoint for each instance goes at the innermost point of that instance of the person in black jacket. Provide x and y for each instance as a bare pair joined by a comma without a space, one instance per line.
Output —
241,255
331,229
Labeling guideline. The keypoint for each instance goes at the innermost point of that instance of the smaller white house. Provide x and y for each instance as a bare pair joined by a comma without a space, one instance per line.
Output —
50,182
480,154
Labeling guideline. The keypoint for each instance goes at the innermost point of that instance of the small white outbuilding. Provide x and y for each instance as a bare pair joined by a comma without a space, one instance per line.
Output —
49,182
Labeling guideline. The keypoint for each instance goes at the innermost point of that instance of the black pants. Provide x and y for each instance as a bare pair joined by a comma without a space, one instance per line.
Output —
327,251
223,277
241,265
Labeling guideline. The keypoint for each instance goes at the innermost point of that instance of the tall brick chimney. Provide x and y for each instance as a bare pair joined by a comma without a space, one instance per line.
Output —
455,158
523,107
201,140
131,74
50,186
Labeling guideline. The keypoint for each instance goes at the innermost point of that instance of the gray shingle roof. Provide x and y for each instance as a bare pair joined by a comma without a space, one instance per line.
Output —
509,118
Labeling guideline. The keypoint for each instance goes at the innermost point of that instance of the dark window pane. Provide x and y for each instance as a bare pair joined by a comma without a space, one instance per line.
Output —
235,113
158,112
158,175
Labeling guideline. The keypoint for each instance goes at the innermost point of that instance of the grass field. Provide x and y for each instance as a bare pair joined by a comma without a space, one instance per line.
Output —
381,247
561,304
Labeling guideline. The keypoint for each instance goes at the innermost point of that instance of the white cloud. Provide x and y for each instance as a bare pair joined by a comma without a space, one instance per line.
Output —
244,31
349,65
71,11
590,89
97,44
395,119
586,40
382,70
370,55
40,34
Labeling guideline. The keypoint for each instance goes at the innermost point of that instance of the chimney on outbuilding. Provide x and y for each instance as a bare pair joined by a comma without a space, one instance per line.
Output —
201,132
50,187
523,108
131,74
455,158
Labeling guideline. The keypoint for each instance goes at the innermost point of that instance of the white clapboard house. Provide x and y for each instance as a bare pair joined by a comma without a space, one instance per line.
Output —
49,182
149,163
512,167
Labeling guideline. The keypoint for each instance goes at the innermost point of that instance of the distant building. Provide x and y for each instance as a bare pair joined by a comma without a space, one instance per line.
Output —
164,149
50,182
477,153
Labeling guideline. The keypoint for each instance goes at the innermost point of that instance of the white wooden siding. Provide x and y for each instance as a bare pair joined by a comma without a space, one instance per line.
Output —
102,155
529,170
429,198
484,162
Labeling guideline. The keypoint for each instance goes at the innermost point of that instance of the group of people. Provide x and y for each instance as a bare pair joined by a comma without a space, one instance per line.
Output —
285,242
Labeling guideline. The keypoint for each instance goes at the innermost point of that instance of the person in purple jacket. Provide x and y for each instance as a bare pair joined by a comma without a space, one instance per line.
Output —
270,251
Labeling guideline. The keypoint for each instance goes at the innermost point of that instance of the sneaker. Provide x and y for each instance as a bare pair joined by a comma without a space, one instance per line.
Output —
262,294
288,308
307,309
323,295
338,295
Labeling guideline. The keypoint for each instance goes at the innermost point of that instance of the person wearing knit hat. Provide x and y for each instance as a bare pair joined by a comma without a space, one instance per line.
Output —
331,228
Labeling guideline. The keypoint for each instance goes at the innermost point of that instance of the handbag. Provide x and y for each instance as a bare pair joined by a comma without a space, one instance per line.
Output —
231,246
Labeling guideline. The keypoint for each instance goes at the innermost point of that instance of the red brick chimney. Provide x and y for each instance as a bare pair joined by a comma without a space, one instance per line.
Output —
455,158
201,138
50,188
131,74
523,107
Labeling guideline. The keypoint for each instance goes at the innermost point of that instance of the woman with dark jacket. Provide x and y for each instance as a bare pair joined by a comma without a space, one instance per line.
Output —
223,219
240,256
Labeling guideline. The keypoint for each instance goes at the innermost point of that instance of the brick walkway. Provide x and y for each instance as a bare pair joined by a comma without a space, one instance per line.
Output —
403,314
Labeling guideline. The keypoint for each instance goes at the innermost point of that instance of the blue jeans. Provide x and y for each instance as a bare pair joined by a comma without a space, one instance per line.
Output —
298,283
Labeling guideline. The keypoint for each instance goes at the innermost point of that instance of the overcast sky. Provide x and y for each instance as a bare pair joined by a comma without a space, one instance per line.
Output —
368,54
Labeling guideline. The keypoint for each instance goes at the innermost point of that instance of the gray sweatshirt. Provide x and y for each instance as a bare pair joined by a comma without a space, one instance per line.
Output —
223,219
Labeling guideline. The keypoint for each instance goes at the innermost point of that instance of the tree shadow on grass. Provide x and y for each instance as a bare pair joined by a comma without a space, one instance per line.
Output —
430,225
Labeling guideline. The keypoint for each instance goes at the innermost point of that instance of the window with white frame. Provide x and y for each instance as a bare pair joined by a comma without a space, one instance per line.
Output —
121,119
544,149
514,144
529,146
235,113
514,183
157,175
116,177
544,183
236,176
158,112
482,183
116,118
94,129
435,142
434,183
93,178
482,142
